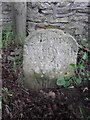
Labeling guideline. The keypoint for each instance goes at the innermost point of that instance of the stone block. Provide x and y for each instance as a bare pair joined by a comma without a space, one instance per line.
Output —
47,55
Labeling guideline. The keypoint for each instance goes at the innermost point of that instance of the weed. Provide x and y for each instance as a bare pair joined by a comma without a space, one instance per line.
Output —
17,60
83,115
7,37
81,112
14,64
80,72
12,45
5,89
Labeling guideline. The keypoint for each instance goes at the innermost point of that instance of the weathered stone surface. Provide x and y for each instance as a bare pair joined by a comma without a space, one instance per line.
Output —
61,12
47,55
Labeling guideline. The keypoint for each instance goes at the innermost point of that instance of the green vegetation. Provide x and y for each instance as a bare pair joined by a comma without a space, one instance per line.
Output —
7,37
66,81
16,46
5,90
13,50
83,115
80,73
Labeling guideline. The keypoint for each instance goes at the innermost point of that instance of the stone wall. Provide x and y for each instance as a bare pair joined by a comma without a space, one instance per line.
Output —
6,15
72,17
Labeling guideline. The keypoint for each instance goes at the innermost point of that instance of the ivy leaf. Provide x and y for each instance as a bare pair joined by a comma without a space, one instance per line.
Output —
61,81
88,73
73,66
67,84
10,94
82,66
85,56
5,89
78,80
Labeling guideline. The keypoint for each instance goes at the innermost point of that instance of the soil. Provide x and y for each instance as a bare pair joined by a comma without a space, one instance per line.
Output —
50,104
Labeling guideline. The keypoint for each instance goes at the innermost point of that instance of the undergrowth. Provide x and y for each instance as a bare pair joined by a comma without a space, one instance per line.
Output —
82,73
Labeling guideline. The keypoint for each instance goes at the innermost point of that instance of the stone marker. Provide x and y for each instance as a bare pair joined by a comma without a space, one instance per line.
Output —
47,55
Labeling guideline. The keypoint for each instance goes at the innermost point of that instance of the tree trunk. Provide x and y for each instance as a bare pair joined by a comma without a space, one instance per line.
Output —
19,20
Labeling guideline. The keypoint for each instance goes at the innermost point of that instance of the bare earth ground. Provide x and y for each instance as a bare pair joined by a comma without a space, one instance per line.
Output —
51,104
